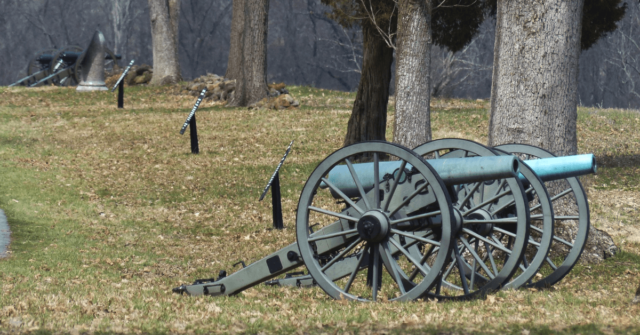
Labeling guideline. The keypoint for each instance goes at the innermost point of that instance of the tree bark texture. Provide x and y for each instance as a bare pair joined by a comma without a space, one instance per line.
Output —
165,15
413,80
368,119
534,95
234,63
250,68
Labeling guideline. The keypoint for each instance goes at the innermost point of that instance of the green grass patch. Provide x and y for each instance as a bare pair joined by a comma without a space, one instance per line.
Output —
109,211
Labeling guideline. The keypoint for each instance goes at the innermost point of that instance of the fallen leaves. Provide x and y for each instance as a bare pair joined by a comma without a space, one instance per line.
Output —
142,215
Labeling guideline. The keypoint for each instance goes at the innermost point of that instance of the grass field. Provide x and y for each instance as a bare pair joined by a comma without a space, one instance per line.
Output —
109,211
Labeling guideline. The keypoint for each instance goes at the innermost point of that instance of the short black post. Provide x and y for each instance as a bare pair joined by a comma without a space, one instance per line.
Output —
120,85
276,203
193,131
121,95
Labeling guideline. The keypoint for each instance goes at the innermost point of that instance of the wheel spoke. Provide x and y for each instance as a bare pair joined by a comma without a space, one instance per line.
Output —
551,263
334,214
409,257
492,199
554,236
393,265
476,258
394,184
532,241
411,196
525,262
449,268
571,217
422,260
468,196
508,233
363,195
500,186
562,241
324,237
487,247
507,220
415,217
459,262
376,269
341,254
421,239
510,203
499,244
376,179
355,271
343,196
561,194
537,229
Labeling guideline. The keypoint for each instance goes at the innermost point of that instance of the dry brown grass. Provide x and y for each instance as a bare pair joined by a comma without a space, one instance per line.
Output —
109,211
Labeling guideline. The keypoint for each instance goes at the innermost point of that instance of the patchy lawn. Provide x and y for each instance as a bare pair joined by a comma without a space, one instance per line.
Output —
109,211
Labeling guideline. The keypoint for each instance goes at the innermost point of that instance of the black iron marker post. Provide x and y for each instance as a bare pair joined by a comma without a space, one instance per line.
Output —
120,85
191,123
276,201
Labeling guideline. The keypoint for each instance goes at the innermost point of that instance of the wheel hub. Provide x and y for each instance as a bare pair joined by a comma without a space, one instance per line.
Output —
373,226
483,229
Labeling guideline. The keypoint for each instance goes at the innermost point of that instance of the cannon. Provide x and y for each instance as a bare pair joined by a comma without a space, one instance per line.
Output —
61,67
415,233
452,173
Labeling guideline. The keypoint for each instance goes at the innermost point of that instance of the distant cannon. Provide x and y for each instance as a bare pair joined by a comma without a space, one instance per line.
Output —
61,67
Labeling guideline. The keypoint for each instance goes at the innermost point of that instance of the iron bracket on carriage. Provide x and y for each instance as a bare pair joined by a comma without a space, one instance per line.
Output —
450,219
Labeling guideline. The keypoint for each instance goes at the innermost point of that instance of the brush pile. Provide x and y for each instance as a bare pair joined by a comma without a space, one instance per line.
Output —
138,75
221,89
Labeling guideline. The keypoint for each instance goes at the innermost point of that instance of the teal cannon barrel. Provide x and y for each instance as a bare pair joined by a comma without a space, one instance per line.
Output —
555,168
453,171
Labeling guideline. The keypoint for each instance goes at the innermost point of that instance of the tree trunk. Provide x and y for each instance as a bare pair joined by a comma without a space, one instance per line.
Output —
368,119
534,94
165,16
413,58
249,69
535,74
234,63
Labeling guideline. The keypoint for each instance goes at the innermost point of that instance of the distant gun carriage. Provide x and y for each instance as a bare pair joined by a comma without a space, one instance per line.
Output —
61,67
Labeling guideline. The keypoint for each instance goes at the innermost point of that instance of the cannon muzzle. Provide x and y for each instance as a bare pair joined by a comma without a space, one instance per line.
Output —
562,167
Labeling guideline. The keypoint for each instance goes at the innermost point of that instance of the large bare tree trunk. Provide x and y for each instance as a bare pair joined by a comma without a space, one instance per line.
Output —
413,82
249,69
368,119
165,15
534,96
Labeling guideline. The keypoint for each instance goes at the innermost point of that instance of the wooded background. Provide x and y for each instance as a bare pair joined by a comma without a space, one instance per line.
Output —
304,46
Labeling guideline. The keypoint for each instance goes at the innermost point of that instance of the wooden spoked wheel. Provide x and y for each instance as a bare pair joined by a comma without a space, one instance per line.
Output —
571,215
371,229
36,66
492,239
